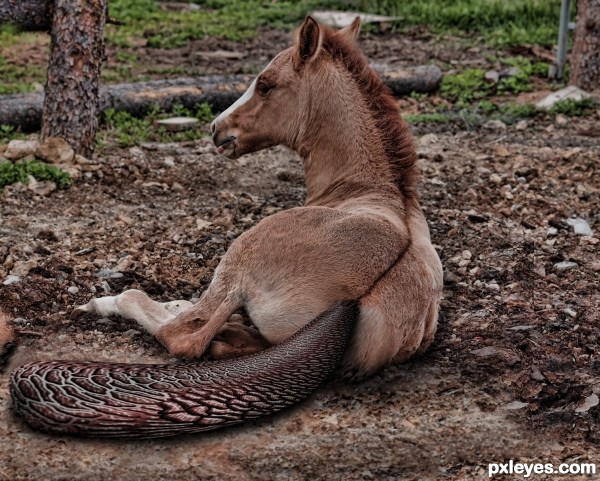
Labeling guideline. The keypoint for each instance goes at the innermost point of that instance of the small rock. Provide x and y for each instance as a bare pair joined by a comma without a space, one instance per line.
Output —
12,279
590,402
580,226
565,265
552,231
169,161
521,125
492,76
502,151
18,149
56,151
43,188
108,274
498,353
177,187
570,92
428,140
494,125
73,290
516,405
22,268
331,419
496,179
561,120
178,124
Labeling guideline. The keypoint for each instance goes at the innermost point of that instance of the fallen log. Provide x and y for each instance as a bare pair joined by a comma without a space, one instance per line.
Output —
30,15
219,91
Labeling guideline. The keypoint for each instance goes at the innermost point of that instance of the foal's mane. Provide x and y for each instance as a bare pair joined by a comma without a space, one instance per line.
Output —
395,133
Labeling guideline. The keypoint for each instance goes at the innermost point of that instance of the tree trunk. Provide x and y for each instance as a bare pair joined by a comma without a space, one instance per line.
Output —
28,14
585,56
71,104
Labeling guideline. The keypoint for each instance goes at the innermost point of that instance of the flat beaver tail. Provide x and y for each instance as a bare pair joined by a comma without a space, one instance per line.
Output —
149,401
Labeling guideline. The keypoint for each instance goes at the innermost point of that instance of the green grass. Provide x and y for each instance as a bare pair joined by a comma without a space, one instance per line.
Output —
12,77
19,172
575,108
8,133
470,85
500,22
125,130
229,19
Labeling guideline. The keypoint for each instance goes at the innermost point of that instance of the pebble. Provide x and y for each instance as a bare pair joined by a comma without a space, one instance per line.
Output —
521,125
22,268
565,265
494,125
12,279
591,401
178,124
169,161
580,226
108,274
561,120
552,231
73,290
516,405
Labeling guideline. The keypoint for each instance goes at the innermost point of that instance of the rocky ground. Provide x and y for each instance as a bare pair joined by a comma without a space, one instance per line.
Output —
514,372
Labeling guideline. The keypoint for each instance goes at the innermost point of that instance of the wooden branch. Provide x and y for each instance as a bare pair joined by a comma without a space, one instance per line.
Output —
220,91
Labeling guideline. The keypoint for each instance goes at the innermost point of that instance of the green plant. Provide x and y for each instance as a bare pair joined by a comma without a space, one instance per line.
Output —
19,172
465,86
501,22
129,130
575,108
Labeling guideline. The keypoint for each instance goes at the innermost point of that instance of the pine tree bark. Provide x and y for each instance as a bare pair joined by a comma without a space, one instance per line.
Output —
31,15
585,56
71,104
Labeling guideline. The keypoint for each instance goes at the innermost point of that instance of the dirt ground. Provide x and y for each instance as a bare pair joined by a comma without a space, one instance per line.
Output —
514,360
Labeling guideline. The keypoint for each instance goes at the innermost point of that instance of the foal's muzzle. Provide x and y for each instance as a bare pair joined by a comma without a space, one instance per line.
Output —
223,143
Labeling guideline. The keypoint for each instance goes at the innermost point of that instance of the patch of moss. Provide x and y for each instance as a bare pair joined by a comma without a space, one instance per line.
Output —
575,108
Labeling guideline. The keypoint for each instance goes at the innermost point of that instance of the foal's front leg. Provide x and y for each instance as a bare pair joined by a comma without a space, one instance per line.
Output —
185,329
136,305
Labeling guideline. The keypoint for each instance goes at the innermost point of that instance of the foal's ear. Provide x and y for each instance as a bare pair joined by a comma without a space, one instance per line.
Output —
309,40
351,31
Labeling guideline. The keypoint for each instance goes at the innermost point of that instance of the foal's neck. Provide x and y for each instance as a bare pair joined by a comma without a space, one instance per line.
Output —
343,155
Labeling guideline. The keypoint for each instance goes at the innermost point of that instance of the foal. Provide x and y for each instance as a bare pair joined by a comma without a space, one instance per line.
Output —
361,236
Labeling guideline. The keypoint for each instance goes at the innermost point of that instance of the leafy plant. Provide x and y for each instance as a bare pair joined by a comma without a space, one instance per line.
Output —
129,130
19,172
575,108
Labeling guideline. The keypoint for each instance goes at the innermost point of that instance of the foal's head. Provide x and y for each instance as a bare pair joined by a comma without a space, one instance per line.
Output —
319,94
276,107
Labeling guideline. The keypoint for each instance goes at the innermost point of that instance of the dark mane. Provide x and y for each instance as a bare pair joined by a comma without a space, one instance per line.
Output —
397,139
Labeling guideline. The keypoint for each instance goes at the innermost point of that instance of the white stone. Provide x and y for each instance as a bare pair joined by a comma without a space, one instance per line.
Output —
17,149
11,280
177,124
563,266
570,92
73,290
590,402
580,226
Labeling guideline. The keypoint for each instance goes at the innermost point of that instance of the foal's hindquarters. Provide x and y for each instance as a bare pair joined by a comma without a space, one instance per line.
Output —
296,264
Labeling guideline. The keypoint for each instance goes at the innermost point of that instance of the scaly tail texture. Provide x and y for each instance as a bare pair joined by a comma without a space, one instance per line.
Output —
150,401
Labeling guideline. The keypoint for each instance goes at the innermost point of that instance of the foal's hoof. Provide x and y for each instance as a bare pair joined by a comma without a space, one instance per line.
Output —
80,311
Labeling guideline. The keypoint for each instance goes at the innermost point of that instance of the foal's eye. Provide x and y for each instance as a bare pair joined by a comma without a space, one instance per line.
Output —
263,88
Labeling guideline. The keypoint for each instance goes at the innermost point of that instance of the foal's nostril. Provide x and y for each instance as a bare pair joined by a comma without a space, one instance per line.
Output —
212,127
